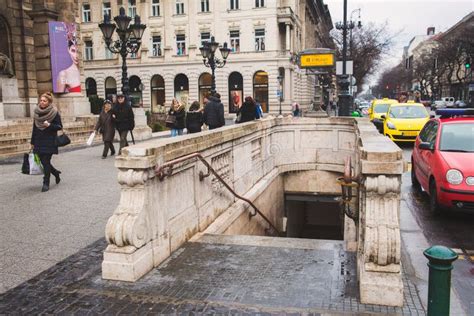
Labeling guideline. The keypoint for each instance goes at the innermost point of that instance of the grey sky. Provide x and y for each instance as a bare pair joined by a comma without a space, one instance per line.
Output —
410,17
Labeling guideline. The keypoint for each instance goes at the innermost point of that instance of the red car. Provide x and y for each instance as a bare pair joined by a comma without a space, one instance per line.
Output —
443,160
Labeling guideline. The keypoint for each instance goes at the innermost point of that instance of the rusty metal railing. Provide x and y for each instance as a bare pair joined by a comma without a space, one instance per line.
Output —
166,170
347,183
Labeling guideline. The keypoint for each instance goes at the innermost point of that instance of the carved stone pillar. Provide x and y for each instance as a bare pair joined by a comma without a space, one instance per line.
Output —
379,266
129,254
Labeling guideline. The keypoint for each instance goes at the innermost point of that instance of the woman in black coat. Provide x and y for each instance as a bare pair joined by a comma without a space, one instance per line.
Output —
194,118
47,123
248,111
106,126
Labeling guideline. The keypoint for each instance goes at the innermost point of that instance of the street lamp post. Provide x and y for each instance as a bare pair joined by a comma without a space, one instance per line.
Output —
129,42
210,60
280,80
344,97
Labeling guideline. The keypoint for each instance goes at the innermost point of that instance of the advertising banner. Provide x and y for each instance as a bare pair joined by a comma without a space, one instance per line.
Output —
64,57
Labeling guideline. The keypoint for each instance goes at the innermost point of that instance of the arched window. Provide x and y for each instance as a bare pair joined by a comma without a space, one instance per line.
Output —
6,49
236,91
260,89
136,88
91,87
181,88
157,93
205,83
110,88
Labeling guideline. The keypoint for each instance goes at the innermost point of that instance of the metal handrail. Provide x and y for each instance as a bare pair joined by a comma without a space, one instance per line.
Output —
166,170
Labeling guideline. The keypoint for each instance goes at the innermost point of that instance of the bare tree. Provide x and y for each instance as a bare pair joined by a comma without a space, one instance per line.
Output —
368,46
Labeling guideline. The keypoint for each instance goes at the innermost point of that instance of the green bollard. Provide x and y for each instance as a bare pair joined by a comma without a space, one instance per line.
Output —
439,282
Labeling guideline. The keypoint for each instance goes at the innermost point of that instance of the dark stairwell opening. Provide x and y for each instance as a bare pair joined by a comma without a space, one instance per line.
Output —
314,217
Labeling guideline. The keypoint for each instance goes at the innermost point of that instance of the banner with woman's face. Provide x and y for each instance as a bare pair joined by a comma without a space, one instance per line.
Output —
64,57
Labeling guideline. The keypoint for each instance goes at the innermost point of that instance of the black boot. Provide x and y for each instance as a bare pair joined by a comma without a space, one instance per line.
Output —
45,187
56,174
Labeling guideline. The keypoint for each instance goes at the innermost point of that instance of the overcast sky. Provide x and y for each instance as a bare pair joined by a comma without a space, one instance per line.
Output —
411,17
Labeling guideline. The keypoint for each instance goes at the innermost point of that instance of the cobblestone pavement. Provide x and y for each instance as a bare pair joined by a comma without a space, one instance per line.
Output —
206,278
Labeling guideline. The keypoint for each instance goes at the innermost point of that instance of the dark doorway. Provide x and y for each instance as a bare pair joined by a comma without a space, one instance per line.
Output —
314,216
236,91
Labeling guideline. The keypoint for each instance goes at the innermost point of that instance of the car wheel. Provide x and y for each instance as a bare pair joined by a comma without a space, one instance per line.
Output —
435,208
414,180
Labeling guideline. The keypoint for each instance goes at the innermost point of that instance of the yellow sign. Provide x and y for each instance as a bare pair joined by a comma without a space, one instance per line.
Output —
317,60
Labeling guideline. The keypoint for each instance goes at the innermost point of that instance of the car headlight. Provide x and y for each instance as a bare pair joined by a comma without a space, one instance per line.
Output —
454,176
470,180
390,125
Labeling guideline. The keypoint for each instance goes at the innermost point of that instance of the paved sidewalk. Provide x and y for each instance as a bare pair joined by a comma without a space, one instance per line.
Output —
37,229
211,276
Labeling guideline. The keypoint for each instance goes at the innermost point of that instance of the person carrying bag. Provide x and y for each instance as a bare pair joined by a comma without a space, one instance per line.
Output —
46,124
106,126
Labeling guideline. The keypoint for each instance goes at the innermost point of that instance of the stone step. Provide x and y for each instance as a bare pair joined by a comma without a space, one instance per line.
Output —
21,135
28,127
16,150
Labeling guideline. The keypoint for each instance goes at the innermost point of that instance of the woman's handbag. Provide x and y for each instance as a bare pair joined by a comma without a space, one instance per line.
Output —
170,120
62,140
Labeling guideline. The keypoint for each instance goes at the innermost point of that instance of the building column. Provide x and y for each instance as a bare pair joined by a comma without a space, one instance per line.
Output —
288,36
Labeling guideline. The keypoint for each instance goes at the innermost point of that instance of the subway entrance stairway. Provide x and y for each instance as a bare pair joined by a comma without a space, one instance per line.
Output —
210,274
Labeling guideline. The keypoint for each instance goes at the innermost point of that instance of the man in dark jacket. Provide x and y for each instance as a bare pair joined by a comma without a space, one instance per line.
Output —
214,112
124,119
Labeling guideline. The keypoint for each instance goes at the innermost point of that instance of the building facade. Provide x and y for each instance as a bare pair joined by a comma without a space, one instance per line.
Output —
264,36
25,57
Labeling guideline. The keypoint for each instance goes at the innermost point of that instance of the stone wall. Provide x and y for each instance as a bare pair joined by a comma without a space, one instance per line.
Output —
259,160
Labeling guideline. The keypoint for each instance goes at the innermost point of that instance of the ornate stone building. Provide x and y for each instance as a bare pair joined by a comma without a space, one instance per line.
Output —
24,45
264,36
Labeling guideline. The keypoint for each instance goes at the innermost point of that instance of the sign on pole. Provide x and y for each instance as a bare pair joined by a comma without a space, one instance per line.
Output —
349,67
315,58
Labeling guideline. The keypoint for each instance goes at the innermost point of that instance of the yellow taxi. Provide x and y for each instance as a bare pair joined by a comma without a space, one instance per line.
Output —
403,121
377,109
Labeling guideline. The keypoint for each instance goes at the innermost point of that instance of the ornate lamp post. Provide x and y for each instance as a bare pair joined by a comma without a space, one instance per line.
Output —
280,80
129,42
344,97
209,59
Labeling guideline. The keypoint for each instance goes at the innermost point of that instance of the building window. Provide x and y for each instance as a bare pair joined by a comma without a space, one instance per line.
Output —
259,40
133,55
180,45
132,8
259,3
108,54
204,5
156,45
234,4
205,38
86,12
106,9
179,7
88,50
235,41
155,7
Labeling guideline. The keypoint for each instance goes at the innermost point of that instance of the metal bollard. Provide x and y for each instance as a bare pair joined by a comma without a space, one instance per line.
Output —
439,282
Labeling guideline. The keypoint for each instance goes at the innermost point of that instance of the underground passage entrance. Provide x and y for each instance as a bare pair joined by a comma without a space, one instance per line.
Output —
313,216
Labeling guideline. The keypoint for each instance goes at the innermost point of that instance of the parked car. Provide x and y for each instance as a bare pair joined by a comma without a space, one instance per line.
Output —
442,161
459,104
445,102
403,121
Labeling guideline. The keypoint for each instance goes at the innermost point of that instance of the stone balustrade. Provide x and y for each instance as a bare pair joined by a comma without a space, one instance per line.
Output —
260,160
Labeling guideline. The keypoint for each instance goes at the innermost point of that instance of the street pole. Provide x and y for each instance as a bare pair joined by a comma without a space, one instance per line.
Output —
344,97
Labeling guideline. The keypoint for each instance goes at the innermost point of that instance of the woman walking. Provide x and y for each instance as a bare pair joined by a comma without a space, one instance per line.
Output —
47,123
177,110
106,126
194,118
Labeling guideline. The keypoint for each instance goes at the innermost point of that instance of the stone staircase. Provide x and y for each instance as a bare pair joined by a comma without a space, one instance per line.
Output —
15,135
